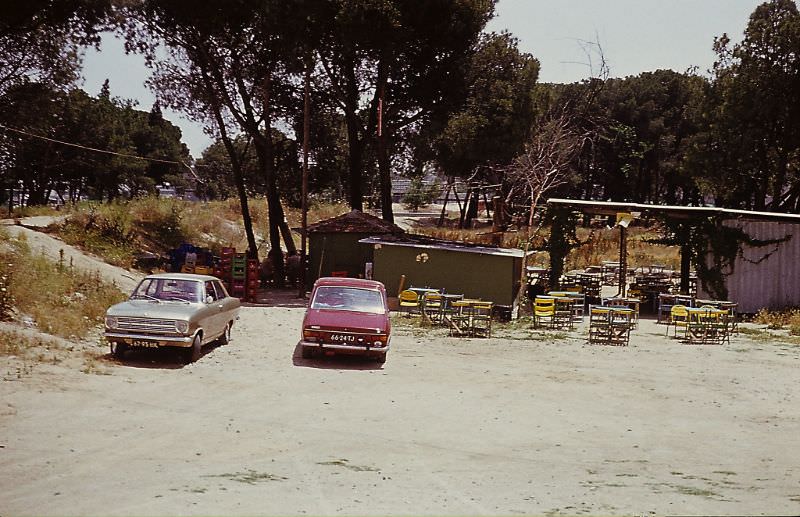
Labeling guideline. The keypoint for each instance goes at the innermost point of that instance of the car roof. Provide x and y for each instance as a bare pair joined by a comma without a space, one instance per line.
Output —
183,276
349,282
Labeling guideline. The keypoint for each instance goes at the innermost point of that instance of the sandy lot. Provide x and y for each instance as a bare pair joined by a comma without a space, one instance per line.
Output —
530,423
446,426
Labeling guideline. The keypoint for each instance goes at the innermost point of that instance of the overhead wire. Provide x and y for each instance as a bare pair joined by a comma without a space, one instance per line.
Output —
104,151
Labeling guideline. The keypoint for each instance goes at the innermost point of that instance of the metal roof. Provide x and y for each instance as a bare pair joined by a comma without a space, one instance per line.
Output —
428,243
612,207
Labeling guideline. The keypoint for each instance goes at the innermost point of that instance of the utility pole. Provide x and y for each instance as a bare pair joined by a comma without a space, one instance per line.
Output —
306,132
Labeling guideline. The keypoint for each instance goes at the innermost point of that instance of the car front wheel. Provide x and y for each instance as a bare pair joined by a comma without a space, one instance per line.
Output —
118,350
193,352
381,358
225,338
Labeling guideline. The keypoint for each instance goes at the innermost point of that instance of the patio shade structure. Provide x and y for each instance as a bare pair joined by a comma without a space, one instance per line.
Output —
759,278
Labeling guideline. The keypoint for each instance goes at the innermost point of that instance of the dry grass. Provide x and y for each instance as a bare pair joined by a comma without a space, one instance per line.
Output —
61,302
118,231
600,244
776,320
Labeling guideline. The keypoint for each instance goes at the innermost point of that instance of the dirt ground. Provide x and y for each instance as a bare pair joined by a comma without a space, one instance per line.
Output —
522,423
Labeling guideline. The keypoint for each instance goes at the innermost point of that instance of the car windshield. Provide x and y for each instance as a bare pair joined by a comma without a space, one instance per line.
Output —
169,289
348,299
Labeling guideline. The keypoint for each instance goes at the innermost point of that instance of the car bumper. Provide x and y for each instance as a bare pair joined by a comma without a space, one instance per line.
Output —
148,340
346,349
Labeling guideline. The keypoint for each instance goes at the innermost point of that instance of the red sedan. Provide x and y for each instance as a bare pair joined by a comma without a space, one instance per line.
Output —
347,316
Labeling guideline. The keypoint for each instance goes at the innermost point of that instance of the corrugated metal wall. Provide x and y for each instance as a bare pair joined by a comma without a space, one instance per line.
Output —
766,276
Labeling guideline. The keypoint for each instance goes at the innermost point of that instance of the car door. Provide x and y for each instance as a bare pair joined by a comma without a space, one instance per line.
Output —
228,305
215,310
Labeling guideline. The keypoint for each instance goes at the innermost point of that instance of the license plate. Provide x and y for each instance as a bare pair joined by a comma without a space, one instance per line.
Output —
343,338
144,343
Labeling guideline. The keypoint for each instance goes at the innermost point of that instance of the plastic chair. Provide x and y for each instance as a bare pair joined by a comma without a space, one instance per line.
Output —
678,317
544,309
409,302
432,306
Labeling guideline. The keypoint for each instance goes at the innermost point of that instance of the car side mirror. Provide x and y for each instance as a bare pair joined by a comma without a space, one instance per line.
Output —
209,299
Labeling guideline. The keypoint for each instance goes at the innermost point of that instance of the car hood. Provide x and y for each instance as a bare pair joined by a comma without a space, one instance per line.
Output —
152,309
347,320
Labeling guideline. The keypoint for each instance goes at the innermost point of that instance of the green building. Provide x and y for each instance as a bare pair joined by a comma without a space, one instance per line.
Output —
333,244
459,268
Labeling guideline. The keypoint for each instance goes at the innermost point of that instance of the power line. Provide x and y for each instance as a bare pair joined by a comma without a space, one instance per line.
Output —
104,151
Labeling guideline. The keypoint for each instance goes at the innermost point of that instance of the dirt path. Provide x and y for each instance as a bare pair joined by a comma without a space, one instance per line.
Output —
448,426
51,247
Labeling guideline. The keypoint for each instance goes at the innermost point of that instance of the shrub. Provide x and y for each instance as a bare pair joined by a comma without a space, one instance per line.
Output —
60,301
419,195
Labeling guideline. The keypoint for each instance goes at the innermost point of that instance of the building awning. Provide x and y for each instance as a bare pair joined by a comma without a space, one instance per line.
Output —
672,211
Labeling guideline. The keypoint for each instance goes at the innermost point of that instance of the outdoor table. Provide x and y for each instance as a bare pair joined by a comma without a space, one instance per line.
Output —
610,325
575,301
630,303
460,317
421,291
705,325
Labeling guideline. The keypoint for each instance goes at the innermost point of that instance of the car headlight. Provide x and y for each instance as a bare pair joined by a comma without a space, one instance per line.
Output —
182,326
111,322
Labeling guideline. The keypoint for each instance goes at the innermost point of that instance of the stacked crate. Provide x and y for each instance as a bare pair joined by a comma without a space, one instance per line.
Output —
239,275
253,280
223,267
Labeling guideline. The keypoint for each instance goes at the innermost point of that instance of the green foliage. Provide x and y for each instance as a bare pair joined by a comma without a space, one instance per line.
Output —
118,231
495,116
754,113
419,194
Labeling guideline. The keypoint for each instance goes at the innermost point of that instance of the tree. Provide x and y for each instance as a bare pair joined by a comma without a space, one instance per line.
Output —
547,160
497,112
230,66
401,55
40,40
755,112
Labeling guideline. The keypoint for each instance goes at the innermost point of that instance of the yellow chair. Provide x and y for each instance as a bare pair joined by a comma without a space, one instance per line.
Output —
544,310
432,306
408,301
599,324
481,324
678,317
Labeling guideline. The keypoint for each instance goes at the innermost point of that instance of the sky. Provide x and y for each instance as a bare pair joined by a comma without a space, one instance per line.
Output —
635,36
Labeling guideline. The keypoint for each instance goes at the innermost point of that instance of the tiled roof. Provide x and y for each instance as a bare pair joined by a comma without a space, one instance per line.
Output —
355,222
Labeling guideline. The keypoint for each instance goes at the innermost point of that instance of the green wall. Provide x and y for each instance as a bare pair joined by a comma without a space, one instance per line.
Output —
342,253
475,275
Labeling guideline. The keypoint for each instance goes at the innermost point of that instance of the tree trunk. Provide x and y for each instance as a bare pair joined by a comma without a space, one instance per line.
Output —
384,165
264,151
236,167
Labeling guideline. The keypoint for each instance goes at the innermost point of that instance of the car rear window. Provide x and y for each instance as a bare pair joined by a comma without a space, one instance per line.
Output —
348,299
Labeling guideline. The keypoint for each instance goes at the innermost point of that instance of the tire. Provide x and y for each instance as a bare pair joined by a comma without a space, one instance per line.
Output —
225,338
192,353
307,352
118,350
381,358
